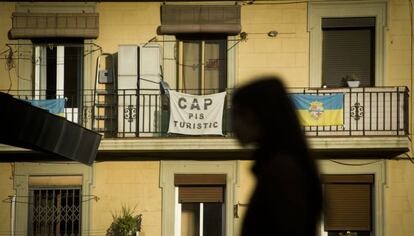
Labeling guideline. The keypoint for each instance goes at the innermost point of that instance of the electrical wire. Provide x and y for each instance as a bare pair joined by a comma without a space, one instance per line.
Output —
9,66
354,164
3,52
286,2
255,2
86,198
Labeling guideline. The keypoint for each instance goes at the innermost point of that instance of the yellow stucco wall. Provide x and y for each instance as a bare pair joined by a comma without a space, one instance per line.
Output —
285,55
133,184
398,44
399,192
399,199
6,190
126,23
137,183
246,186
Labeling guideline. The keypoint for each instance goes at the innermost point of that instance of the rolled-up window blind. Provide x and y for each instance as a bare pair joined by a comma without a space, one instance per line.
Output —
348,202
207,19
27,25
187,194
200,187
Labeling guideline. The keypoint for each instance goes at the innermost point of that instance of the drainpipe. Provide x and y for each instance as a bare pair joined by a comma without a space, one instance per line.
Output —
13,211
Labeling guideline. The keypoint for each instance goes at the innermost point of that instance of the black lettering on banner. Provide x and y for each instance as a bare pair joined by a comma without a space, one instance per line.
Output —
207,102
196,116
180,104
195,104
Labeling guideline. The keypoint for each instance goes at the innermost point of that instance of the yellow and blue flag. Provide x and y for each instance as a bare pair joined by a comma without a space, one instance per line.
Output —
315,110
54,106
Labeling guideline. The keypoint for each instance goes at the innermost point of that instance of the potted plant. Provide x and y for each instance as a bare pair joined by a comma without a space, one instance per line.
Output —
351,80
125,223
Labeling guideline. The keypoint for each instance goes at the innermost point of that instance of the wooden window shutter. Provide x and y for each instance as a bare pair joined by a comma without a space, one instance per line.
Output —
348,202
200,187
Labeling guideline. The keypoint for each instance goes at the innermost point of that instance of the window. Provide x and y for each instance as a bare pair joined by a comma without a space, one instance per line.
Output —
59,74
55,211
348,14
202,66
348,204
57,191
200,204
205,205
348,49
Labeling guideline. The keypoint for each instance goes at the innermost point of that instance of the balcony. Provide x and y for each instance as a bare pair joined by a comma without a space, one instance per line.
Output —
376,117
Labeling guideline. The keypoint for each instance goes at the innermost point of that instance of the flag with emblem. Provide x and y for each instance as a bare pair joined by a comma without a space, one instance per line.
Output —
54,106
316,110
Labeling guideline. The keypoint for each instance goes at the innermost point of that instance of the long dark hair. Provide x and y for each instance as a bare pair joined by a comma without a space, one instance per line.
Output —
279,126
280,130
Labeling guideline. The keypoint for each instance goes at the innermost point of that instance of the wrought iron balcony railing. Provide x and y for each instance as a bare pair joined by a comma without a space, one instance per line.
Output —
376,111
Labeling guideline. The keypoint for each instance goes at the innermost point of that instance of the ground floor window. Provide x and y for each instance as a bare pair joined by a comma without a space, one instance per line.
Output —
349,205
55,211
198,197
200,205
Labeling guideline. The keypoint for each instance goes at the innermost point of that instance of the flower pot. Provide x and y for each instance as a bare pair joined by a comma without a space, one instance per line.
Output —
353,83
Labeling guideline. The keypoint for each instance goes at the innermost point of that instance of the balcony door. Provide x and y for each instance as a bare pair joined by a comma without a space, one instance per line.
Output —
200,219
348,49
59,74
203,64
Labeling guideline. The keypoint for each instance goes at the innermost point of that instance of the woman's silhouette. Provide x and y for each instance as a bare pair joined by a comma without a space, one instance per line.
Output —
287,199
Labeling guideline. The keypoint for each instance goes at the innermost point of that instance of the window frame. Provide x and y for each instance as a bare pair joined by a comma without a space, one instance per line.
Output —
349,185
178,215
169,194
345,29
74,105
342,10
170,60
24,170
32,196
202,39
360,167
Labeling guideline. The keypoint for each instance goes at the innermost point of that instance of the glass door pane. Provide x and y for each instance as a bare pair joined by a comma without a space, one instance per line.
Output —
190,219
202,219
215,72
191,82
213,219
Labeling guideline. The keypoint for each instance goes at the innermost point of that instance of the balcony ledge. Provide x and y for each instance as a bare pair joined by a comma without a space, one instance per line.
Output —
323,147
221,148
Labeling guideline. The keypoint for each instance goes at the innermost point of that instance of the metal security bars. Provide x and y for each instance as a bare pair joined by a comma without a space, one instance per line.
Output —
127,113
55,211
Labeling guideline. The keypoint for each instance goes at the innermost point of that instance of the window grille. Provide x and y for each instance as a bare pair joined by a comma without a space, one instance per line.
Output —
55,211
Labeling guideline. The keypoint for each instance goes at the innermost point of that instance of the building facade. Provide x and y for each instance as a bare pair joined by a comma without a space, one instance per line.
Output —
113,63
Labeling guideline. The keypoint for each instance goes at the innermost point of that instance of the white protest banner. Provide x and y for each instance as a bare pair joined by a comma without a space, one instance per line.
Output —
196,115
